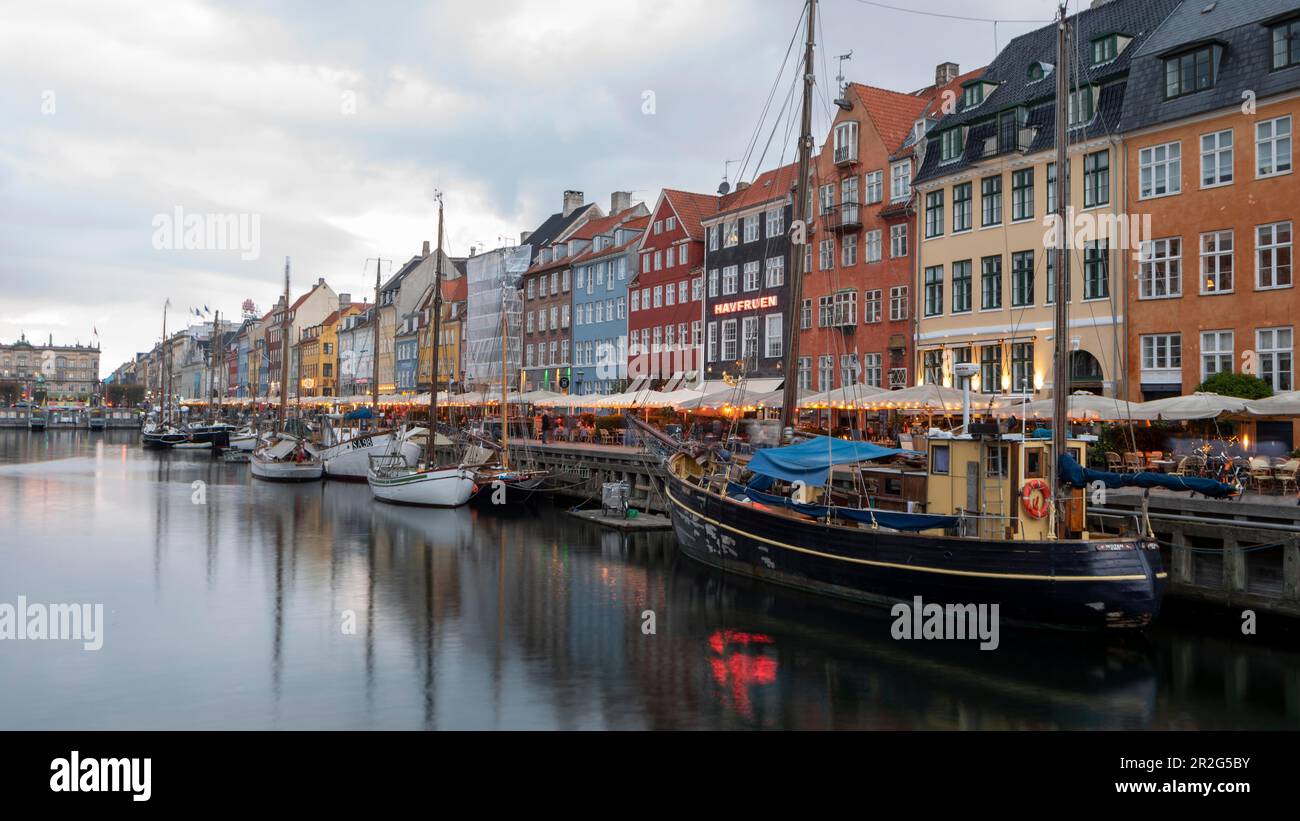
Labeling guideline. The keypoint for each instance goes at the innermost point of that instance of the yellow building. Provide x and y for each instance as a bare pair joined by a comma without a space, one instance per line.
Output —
451,333
985,271
318,355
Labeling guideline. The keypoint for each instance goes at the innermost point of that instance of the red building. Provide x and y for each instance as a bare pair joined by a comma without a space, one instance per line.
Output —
857,311
666,296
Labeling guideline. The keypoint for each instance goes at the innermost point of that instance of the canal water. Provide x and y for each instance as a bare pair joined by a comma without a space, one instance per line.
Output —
235,604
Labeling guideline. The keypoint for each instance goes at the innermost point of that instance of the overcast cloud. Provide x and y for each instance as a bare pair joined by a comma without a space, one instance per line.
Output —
335,126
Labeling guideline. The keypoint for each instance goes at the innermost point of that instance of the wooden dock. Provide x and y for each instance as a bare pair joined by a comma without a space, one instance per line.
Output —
642,522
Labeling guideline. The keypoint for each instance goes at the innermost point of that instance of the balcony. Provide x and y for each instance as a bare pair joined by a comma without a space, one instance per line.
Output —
846,155
843,217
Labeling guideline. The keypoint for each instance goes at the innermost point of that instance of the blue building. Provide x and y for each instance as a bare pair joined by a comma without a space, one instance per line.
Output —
601,276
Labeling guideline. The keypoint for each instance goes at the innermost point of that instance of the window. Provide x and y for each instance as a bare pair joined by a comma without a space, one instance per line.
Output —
805,373
1161,268
805,314
775,272
711,353
826,256
1273,255
849,371
934,290
772,336
532,288
898,240
659,263
961,286
697,333
729,340
1104,49
645,263
1022,367
729,276
873,246
1286,44
713,282
898,303
991,283
843,307
1273,347
751,228
697,289
670,223
940,459
1022,278
1190,72
565,280
775,223
900,183
1051,188
871,306
1161,170
849,250
872,370
682,251
1096,269
681,292
1216,158
991,369
826,200
752,276
972,95
1162,352
825,372
950,145
1096,179
749,337
658,336
1273,147
932,366
1216,353
659,296
961,207
622,308
991,201
846,141
1022,194
1081,107
934,214
875,186
669,295
564,315
713,241
1216,262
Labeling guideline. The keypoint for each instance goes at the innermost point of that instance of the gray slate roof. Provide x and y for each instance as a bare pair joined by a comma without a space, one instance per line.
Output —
1010,70
1247,60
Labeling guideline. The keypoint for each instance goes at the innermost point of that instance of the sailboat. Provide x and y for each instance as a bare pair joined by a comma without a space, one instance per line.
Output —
990,517
286,458
390,476
160,434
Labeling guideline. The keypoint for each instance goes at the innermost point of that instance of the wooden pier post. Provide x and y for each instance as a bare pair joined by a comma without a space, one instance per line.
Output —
1234,564
1291,570
1181,559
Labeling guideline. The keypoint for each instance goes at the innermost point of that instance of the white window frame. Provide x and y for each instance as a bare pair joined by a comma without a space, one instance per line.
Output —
1215,248
1270,354
1166,157
1277,144
1272,247
1214,147
1161,261
1214,356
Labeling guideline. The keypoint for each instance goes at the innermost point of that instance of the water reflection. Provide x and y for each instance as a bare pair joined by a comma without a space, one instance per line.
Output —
233,604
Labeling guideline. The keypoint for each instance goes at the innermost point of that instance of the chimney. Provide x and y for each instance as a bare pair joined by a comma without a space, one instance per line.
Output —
945,73
572,201
425,253
619,201
472,250
345,301
523,237
320,281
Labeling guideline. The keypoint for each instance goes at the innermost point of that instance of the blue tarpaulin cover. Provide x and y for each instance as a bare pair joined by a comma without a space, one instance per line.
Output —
885,518
1077,475
810,462
360,413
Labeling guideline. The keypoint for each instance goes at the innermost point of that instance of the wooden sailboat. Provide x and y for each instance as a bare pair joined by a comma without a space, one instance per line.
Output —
1004,516
160,434
286,458
390,476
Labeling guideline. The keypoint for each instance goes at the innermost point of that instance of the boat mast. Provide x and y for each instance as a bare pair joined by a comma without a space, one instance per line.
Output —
284,351
374,354
799,228
435,341
165,415
212,368
505,408
1061,323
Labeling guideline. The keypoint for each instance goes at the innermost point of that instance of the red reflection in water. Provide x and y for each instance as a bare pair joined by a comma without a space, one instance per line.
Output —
737,669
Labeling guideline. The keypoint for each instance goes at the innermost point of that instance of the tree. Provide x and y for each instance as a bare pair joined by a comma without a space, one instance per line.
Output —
1240,385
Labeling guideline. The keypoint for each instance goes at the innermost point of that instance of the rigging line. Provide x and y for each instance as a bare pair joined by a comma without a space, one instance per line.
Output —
947,16
776,82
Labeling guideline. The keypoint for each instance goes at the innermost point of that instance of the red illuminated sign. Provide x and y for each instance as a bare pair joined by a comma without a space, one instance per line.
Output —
744,305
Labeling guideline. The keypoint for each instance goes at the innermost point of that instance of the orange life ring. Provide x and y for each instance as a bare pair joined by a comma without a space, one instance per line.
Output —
1034,497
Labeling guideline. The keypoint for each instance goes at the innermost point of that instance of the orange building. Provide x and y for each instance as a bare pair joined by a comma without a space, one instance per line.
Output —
1211,285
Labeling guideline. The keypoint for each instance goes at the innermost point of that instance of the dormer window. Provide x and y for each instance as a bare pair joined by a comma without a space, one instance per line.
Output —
972,96
918,129
846,142
1038,71
1192,71
1286,44
951,143
1104,50
1082,106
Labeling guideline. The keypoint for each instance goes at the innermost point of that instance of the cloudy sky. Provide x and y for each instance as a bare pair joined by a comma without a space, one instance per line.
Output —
333,127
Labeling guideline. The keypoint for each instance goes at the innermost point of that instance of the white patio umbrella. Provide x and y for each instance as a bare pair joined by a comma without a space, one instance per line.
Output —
1282,404
572,401
725,398
1082,405
1198,405
849,396
927,398
536,397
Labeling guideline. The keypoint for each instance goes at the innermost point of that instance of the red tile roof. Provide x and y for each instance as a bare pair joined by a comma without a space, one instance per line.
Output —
603,225
767,186
893,112
455,290
691,208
